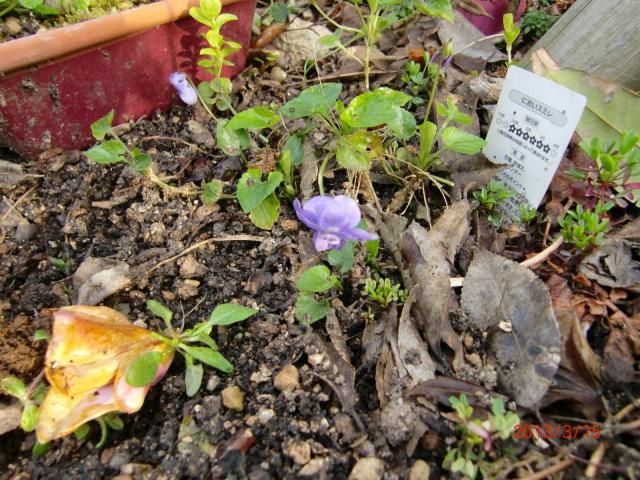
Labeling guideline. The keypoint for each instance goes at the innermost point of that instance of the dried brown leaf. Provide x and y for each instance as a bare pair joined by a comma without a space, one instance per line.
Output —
499,295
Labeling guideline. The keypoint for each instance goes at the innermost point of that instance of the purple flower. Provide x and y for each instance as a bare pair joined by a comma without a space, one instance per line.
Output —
187,93
334,219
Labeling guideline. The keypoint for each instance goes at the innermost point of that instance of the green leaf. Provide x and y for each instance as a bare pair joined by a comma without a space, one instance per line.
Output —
266,213
40,335
611,108
343,259
308,310
30,4
46,10
110,151
82,431
316,279
141,161
114,421
330,41
428,132
256,117
211,8
29,418
252,190
209,357
403,126
59,264
39,449
314,100
295,148
436,8
143,369
461,141
511,31
279,12
212,191
357,151
497,406
102,126
231,142
160,310
374,108
14,386
230,313
193,379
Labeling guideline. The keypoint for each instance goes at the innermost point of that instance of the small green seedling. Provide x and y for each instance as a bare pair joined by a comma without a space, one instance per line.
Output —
479,437
493,195
314,280
535,23
614,174
107,421
384,292
215,56
586,228
60,265
114,150
30,397
526,214
195,344
511,33
257,197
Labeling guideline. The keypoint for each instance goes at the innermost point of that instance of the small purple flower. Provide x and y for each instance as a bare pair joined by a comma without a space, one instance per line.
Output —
334,219
187,93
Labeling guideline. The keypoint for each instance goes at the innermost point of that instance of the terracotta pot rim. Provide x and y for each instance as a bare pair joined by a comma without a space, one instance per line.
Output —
49,45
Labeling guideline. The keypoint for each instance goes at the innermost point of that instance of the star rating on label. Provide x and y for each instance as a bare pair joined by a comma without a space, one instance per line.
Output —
527,137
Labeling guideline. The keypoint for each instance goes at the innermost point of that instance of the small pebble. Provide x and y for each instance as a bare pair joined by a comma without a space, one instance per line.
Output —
299,452
368,468
265,415
278,74
474,359
233,398
287,379
420,471
13,25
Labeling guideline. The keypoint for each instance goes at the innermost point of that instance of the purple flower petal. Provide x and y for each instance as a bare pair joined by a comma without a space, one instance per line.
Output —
334,220
341,213
306,216
327,241
359,234
187,93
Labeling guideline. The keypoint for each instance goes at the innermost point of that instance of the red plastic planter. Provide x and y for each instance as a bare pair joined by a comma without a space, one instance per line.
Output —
53,106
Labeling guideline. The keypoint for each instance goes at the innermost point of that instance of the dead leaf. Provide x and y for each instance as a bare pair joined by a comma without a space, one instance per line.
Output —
98,278
308,171
10,417
336,372
414,352
622,349
429,258
334,330
462,33
301,41
614,263
473,7
10,174
486,87
498,291
441,388
578,356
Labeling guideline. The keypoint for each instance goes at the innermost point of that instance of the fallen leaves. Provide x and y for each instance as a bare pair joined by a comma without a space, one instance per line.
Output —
87,365
513,306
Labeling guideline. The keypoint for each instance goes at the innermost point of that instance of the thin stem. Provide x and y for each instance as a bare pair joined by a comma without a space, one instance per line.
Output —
332,21
323,167
8,9
202,102
471,44
432,93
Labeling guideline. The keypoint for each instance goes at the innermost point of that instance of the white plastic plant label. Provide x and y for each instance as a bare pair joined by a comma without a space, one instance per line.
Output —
531,128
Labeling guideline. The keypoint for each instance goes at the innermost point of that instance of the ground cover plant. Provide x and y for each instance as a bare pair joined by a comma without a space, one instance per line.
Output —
323,244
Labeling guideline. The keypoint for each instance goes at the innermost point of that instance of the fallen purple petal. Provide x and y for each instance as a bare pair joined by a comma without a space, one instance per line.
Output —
186,91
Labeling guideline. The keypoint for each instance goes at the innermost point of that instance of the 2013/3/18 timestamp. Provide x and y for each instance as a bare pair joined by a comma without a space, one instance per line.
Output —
547,431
